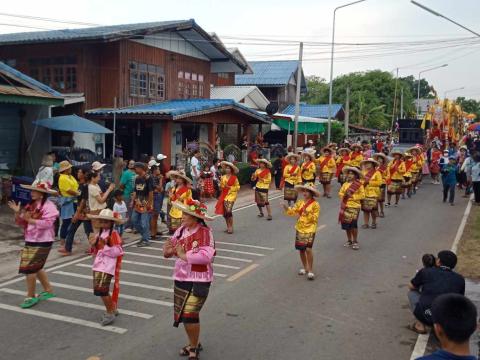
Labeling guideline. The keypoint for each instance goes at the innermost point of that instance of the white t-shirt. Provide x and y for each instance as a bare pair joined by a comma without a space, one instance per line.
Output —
45,174
194,164
93,192
121,209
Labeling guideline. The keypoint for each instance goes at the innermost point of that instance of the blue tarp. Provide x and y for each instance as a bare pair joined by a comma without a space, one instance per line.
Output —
73,123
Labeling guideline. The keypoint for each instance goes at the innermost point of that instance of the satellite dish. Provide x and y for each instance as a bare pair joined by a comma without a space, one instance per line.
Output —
271,109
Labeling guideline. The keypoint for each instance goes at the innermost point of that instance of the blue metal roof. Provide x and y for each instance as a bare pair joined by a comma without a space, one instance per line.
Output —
73,123
90,33
179,109
316,111
269,73
27,80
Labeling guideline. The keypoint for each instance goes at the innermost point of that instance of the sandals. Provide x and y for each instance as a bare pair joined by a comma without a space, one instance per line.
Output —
45,295
302,272
355,246
348,244
185,351
269,217
413,328
29,302
374,226
365,226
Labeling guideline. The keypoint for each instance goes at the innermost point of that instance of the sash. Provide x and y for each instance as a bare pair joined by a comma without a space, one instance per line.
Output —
293,169
198,239
264,173
408,164
307,204
219,206
305,166
369,175
393,170
356,155
354,186
178,193
382,168
324,162
341,164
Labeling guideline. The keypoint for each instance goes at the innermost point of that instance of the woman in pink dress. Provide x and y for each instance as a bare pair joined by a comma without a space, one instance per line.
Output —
193,246
38,220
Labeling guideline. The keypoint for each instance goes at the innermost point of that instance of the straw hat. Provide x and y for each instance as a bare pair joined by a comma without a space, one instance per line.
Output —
369,160
107,214
230,165
292,155
309,187
393,153
344,149
180,174
407,154
309,153
356,146
265,161
327,148
414,148
41,186
194,208
380,155
64,165
97,166
354,169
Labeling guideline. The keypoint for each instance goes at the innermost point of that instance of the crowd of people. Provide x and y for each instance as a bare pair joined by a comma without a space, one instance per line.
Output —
370,181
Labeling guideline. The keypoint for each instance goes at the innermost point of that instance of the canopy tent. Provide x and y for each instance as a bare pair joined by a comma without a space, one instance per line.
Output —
306,125
73,123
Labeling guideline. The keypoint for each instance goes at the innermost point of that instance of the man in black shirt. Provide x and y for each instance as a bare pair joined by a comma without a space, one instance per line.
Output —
142,203
429,283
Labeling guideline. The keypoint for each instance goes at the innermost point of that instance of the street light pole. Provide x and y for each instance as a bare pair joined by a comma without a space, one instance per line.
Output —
452,90
443,16
297,97
330,94
418,86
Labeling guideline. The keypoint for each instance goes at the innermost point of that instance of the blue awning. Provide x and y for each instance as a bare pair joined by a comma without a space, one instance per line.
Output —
73,123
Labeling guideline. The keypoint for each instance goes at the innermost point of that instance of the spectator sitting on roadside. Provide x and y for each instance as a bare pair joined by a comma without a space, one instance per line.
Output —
454,321
428,284
428,261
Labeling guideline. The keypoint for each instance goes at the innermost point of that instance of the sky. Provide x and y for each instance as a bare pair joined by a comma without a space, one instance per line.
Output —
375,34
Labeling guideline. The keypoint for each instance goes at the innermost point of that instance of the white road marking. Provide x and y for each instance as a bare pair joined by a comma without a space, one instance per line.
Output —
172,259
81,304
122,296
63,318
226,250
127,283
250,205
420,346
242,272
245,245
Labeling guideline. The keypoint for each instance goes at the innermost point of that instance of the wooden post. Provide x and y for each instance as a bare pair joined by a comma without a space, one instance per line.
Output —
166,144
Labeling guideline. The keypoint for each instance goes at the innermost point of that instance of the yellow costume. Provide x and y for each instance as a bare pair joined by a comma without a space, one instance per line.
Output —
181,194
372,190
396,170
355,159
350,208
307,222
308,171
263,178
327,167
292,178
354,201
233,191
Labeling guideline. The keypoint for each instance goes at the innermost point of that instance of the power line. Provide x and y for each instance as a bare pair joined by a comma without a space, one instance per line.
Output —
48,19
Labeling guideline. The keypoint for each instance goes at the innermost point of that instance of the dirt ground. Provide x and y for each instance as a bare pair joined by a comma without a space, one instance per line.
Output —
469,248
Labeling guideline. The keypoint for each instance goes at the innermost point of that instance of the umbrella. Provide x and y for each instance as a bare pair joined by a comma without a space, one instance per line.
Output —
474,127
73,123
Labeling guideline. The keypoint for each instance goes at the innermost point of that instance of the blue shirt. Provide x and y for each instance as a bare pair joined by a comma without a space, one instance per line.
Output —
445,355
449,174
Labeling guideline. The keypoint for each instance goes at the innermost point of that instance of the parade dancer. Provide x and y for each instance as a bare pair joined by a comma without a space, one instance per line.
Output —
182,193
351,194
108,252
416,167
326,164
307,211
229,187
38,220
194,247
263,178
356,156
292,177
308,168
408,177
343,159
372,180
382,168
396,170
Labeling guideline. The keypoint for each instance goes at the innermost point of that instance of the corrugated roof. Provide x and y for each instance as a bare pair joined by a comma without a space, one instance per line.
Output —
179,109
239,93
316,111
269,73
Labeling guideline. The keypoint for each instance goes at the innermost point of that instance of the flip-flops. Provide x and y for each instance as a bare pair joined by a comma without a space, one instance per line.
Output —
413,328
29,302
45,295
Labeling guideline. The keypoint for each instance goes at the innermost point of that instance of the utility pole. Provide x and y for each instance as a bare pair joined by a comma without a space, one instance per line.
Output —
347,111
297,98
114,126
401,103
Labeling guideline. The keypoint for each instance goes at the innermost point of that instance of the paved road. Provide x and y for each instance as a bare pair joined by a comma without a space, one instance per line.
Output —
258,307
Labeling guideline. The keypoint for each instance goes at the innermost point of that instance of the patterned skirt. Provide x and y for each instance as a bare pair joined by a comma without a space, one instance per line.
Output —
227,208
101,283
415,177
308,181
383,189
407,182
289,192
350,218
174,224
304,240
395,187
189,298
261,197
325,178
33,257
369,205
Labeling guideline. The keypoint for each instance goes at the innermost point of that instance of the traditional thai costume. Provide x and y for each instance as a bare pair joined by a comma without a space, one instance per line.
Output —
229,186
372,180
206,184
351,194
356,158
342,161
264,178
383,169
292,177
182,194
408,175
306,226
326,165
308,171
396,171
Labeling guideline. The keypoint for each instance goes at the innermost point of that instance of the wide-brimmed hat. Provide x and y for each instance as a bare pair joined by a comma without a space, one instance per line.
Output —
161,157
107,214
41,186
64,165
344,149
369,160
97,166
414,148
354,169
194,208
309,187
358,146
152,163
327,148
288,156
407,154
309,153
265,161
180,174
380,155
393,153
230,165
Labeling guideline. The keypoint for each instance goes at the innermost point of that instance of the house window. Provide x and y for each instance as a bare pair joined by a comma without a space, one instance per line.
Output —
180,74
194,90
147,81
187,75
224,75
59,72
180,89
71,78
58,78
192,85
200,90
194,77
200,78
187,90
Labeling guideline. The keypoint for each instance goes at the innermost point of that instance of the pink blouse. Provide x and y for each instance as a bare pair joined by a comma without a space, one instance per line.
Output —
106,258
44,228
198,255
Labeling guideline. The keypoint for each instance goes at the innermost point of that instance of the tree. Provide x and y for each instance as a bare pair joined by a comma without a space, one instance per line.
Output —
427,91
469,105
317,90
